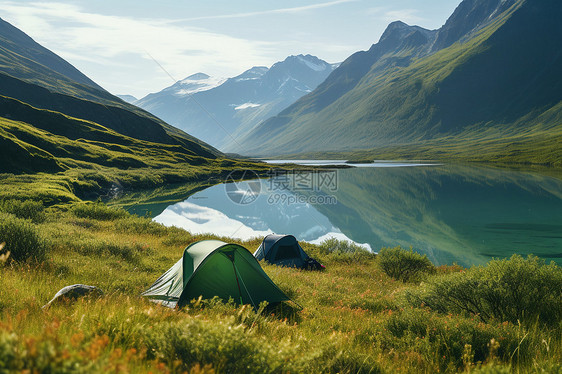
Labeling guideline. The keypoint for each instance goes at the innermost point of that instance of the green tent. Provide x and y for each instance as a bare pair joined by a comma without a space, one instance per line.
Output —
214,268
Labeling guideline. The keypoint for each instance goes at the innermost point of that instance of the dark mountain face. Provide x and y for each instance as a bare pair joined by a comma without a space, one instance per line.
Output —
517,72
493,65
118,119
470,16
219,111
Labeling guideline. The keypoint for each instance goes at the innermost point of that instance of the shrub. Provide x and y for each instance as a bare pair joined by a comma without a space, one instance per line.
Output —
343,250
22,238
513,290
407,266
27,209
454,340
228,348
8,352
98,211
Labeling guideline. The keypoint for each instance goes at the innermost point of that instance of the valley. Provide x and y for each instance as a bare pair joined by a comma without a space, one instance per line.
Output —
424,174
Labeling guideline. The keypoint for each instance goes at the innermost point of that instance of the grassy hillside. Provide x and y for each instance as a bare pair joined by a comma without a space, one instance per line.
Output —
56,158
32,58
359,316
37,76
539,148
501,83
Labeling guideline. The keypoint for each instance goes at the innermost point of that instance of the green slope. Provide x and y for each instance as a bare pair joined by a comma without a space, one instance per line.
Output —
500,81
34,60
55,142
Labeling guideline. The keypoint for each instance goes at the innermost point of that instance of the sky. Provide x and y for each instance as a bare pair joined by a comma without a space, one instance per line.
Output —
139,47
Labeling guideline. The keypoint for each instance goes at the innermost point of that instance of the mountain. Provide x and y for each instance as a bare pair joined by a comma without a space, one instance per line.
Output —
23,58
127,98
219,111
491,72
54,118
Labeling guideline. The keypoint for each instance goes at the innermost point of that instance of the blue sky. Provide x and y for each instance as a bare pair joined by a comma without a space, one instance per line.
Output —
112,41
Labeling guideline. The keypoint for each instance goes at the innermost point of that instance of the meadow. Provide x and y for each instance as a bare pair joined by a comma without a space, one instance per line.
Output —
391,312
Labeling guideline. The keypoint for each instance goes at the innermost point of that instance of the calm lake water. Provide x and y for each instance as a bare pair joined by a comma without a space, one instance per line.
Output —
451,213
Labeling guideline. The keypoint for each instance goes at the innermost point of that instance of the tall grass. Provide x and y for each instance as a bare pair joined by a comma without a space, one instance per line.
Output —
21,238
355,318
27,209
98,211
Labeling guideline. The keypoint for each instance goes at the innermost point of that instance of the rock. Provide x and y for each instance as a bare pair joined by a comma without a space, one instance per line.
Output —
73,293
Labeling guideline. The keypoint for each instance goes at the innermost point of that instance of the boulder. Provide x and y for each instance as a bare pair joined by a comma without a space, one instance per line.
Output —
73,293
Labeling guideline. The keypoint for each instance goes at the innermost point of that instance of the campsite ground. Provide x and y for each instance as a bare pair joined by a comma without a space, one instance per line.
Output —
355,316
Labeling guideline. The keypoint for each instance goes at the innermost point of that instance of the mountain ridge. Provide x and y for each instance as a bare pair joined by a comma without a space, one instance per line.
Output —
11,38
505,64
219,112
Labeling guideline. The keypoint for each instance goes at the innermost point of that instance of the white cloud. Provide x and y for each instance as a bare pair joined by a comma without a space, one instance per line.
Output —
409,16
271,11
387,15
90,39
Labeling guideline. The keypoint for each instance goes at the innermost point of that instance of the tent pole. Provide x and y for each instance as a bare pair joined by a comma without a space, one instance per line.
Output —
248,292
237,282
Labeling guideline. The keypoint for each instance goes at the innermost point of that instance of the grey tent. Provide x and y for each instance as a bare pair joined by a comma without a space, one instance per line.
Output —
214,268
283,250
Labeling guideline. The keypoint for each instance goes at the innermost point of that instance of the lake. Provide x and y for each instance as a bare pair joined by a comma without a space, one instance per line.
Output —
452,213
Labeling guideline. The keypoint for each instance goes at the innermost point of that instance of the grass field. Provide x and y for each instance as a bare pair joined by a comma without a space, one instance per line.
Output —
355,317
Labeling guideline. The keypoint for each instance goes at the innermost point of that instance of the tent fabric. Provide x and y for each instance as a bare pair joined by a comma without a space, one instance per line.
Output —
283,250
214,268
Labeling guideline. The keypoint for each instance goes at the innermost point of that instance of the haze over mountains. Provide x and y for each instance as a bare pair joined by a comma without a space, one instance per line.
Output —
218,111
53,117
491,72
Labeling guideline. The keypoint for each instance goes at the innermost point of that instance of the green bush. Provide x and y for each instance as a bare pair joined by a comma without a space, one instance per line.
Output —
515,289
8,352
454,340
407,266
98,211
22,238
343,250
228,348
27,209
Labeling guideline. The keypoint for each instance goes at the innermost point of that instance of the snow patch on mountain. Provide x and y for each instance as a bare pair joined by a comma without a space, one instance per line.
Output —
246,79
196,83
246,106
312,65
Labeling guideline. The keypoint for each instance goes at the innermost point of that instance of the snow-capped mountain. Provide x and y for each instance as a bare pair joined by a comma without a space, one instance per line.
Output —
194,83
218,111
